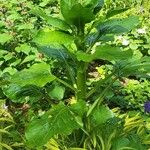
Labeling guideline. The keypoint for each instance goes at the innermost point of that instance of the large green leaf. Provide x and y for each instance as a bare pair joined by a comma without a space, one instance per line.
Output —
66,6
52,37
117,26
76,14
38,74
105,53
53,21
59,120
112,53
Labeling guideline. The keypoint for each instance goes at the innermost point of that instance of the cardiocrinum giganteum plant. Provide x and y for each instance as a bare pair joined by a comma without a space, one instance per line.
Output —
77,37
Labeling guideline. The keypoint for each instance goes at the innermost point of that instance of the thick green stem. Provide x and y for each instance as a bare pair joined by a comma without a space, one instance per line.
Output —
81,81
81,66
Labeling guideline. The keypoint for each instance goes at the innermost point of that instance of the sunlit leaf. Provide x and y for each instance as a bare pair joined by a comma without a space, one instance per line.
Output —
38,74
52,37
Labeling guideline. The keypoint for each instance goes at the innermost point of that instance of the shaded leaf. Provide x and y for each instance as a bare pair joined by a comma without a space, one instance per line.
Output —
93,37
99,6
117,26
18,94
30,90
54,52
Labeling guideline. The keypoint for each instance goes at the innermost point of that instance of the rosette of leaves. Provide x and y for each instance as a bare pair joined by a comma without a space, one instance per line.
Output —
73,41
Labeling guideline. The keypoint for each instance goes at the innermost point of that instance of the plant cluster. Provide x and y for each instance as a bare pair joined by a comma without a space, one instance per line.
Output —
48,79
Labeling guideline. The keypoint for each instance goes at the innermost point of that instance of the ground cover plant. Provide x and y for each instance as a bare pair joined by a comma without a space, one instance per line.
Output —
60,98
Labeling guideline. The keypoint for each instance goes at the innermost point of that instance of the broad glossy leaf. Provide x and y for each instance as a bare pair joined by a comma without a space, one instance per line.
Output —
94,37
95,5
117,26
105,53
100,115
54,52
52,37
53,21
59,120
38,74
